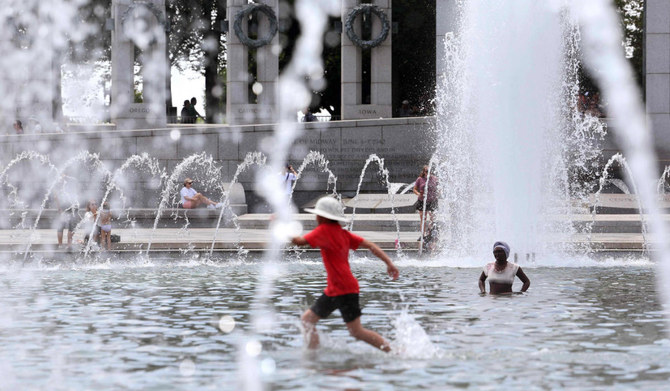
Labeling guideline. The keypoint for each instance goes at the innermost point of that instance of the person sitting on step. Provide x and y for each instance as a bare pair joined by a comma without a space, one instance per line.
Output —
191,199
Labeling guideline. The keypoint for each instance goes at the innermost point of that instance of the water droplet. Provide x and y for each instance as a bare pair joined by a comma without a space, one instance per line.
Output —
257,88
187,368
226,323
175,134
268,366
254,348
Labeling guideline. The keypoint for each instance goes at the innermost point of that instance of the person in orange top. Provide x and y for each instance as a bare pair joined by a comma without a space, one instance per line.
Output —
342,289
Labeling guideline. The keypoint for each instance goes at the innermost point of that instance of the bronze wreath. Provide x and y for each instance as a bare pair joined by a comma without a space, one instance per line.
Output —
151,7
244,13
367,44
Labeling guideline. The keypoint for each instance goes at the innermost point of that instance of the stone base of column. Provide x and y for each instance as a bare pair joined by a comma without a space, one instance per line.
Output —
367,112
241,114
139,116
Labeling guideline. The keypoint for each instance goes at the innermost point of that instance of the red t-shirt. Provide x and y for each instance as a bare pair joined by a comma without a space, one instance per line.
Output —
335,244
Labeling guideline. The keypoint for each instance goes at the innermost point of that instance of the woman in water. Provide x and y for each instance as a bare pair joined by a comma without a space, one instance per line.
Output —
501,272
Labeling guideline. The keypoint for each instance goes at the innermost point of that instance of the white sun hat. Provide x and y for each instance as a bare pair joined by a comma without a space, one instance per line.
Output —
329,208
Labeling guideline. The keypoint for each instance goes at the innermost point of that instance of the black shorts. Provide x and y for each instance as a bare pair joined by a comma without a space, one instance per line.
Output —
347,304
430,205
66,220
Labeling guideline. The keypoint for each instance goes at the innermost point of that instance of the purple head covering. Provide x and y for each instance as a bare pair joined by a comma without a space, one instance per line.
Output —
502,245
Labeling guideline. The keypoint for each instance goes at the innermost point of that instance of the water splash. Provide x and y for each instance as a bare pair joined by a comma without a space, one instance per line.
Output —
410,340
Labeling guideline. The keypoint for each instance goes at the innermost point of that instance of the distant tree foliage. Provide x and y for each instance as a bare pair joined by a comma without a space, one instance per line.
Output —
632,21
327,96
414,54
196,40
632,24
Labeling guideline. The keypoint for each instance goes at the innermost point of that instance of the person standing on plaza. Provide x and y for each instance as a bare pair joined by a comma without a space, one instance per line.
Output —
308,116
429,198
193,113
186,113
65,199
342,290
289,177
88,222
18,127
105,226
405,110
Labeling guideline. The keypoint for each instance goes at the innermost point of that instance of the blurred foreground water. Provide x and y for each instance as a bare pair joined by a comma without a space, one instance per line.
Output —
178,324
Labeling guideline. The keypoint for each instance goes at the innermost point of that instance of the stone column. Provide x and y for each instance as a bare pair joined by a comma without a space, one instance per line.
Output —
381,89
657,72
139,24
238,109
29,69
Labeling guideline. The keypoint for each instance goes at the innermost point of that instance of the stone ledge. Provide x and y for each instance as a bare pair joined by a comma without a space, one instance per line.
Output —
132,217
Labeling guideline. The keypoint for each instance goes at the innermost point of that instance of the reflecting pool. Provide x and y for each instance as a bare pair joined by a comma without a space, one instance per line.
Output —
175,324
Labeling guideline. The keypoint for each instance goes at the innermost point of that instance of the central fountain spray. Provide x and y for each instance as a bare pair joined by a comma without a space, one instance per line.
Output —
505,123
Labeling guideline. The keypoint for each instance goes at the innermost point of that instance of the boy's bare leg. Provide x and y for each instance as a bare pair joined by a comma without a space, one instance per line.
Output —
359,332
309,319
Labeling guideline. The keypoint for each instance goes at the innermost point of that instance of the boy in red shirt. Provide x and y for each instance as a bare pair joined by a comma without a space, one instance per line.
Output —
342,290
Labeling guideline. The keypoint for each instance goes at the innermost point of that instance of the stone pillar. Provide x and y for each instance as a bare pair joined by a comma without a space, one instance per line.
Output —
445,22
238,109
29,71
657,71
139,24
381,105
35,92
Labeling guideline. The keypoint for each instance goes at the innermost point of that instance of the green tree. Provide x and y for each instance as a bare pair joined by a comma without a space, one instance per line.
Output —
414,53
196,39
631,14
632,23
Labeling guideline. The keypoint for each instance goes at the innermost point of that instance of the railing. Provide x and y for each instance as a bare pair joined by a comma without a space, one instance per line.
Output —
322,118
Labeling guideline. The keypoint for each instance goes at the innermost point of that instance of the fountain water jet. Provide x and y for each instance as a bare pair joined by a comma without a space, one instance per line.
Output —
505,110
385,175
81,157
314,157
602,49
170,186
135,160
292,95
252,158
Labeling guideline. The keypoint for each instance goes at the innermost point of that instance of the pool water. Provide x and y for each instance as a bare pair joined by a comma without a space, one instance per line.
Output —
155,325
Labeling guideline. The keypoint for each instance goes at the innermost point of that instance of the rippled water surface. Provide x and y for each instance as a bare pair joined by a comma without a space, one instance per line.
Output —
131,325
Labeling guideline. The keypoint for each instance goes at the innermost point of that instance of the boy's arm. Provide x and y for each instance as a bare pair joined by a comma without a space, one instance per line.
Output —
379,253
299,241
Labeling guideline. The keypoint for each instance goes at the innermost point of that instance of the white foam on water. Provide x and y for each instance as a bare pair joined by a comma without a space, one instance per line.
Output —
410,339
